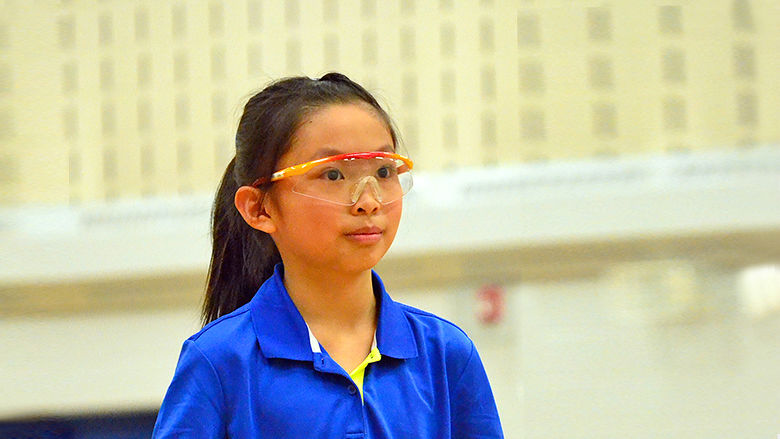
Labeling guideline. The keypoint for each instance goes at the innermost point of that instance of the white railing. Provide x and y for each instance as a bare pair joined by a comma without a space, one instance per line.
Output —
485,208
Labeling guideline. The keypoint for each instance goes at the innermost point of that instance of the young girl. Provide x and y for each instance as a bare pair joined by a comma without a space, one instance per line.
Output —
308,206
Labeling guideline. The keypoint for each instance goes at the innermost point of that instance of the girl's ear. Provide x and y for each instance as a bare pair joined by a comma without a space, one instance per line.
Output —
250,202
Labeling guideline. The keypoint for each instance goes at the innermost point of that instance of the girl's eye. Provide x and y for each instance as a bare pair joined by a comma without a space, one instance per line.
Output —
384,172
333,174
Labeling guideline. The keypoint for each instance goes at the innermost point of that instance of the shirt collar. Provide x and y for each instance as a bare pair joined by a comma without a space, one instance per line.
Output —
282,332
317,349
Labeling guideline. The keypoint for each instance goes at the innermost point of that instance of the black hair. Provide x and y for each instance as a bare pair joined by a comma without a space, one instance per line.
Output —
242,258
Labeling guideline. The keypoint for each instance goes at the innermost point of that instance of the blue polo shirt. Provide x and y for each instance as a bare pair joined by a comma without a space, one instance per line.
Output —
253,374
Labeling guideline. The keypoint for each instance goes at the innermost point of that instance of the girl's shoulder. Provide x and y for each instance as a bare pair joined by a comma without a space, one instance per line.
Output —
228,332
429,318
440,342
437,330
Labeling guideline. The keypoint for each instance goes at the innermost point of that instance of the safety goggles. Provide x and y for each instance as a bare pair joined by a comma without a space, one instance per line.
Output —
342,179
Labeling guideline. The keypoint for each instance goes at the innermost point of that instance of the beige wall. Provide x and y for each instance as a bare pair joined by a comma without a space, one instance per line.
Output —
116,100
120,99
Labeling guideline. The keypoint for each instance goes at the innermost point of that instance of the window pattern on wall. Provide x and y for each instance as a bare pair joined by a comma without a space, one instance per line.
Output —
615,78
142,98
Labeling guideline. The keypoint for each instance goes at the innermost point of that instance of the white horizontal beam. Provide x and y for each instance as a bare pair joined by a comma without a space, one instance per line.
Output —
485,208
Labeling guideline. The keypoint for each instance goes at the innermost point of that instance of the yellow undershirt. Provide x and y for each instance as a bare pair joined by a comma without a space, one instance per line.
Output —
359,373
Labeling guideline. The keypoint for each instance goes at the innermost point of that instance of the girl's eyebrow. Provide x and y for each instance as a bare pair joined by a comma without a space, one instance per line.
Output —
322,153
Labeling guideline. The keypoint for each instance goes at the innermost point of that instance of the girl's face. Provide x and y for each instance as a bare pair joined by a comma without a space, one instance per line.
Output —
324,236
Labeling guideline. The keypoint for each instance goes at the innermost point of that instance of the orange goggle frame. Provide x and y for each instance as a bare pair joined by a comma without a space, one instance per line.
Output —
303,167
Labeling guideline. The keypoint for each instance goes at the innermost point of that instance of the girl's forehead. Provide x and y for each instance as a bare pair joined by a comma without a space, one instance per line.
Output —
342,117
338,129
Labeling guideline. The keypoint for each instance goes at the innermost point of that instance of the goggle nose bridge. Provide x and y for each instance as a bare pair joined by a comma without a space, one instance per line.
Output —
360,186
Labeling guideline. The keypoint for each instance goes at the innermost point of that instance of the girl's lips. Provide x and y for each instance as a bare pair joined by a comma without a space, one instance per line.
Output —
366,231
366,234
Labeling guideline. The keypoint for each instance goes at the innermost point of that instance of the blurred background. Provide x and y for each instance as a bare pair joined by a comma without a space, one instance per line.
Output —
596,202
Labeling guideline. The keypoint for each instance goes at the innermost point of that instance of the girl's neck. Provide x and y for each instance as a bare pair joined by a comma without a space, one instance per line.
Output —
333,300
340,309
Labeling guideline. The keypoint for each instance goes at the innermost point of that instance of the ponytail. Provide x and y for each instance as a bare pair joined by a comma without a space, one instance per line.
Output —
242,258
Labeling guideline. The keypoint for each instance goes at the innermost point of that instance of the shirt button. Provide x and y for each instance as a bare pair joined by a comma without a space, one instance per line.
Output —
352,390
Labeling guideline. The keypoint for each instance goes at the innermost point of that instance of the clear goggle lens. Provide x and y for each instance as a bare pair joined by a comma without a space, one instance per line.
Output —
344,181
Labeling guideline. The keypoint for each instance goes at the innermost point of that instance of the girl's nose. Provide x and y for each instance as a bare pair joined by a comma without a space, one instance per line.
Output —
360,187
367,197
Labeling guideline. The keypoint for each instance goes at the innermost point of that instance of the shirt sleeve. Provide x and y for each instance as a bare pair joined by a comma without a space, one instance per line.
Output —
193,405
474,412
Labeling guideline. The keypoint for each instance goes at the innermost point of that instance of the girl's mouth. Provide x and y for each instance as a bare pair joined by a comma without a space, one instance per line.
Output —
366,235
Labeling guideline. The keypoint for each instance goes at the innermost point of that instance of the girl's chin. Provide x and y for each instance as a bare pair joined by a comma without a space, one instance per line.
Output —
364,263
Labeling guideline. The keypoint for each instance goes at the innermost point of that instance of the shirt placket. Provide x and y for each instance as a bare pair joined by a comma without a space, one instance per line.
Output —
356,424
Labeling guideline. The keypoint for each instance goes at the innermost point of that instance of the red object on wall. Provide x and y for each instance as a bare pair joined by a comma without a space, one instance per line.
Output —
490,304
